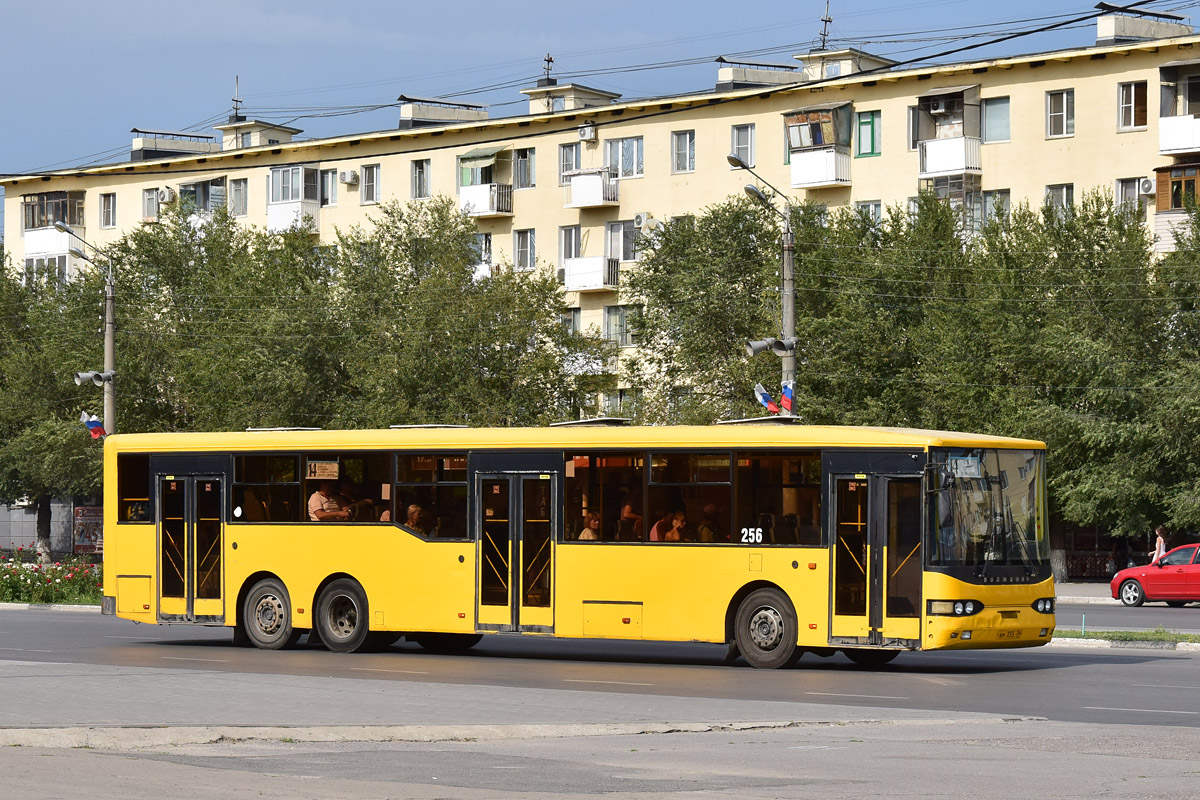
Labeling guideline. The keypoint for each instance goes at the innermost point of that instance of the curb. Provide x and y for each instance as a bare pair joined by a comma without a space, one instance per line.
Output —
1092,600
1095,644
47,607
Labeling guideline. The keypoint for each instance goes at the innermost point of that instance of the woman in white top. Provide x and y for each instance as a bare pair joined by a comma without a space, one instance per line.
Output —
1160,545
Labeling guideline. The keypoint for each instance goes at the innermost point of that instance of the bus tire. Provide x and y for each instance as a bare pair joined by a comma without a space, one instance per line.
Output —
447,642
1131,593
267,616
765,629
871,658
343,617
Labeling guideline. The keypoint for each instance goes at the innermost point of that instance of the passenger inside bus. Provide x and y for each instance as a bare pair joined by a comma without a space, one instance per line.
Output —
324,505
418,520
591,527
671,528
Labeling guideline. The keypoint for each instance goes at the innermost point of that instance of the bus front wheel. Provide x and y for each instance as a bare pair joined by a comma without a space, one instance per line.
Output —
267,616
765,629
343,618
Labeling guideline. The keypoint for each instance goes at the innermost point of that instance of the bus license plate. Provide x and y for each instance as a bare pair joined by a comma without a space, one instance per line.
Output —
1008,634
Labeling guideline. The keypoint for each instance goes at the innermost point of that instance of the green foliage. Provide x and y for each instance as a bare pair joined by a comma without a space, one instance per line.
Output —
75,580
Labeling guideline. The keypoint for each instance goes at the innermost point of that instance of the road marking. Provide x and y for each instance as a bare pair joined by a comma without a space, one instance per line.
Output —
864,696
612,683
25,650
182,658
1139,710
138,638
400,671
815,747
1160,686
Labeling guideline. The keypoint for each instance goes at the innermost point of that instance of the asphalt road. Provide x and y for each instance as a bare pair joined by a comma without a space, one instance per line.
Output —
1099,617
101,707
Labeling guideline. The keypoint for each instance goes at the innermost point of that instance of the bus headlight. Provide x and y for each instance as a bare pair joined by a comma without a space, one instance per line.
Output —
954,608
1044,605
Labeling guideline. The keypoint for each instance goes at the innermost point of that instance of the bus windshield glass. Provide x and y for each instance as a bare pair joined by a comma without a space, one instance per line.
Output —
987,508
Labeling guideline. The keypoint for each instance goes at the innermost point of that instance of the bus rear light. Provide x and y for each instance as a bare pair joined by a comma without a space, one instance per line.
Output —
145,606
954,608
624,620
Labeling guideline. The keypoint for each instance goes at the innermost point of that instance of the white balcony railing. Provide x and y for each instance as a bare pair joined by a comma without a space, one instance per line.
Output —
591,188
1178,134
486,200
591,274
281,216
950,156
826,166
50,241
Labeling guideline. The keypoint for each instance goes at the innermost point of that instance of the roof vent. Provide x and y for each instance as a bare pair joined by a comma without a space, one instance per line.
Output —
594,422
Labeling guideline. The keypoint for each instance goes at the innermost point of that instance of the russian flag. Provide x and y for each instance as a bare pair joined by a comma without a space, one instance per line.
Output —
95,426
765,398
786,400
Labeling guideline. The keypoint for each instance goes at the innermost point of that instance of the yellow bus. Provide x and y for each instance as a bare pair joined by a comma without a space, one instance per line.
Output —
775,539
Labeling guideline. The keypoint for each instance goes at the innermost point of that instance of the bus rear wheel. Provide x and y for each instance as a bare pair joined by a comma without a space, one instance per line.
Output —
871,658
447,642
267,616
343,618
765,629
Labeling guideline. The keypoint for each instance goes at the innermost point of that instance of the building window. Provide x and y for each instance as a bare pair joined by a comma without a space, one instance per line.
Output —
245,138
1183,187
48,269
568,161
150,205
995,120
370,183
483,246
616,324
1060,113
1060,195
868,133
623,157
108,210
44,209
524,168
1131,105
1128,195
914,127
524,249
570,242
742,142
870,210
329,179
420,178
996,204
572,320
623,240
683,151
237,197
292,184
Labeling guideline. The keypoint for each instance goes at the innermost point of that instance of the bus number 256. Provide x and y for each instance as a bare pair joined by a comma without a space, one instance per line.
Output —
751,535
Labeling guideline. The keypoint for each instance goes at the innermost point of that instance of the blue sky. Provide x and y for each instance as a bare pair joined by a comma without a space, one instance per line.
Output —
83,73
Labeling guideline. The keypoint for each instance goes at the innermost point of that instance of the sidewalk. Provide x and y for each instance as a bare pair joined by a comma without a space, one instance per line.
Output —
1089,592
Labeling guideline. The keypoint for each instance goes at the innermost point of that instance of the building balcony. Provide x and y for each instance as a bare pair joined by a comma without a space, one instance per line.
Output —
486,200
950,156
1178,135
282,216
591,188
49,241
591,274
820,167
484,270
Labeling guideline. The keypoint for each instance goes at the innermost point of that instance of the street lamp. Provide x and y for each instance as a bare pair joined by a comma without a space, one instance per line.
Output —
785,345
103,379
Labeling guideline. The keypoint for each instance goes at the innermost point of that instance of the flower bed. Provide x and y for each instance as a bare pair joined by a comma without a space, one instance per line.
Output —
72,581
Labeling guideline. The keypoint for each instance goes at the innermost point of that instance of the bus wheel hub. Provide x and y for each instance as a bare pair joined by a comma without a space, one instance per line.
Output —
766,628
269,614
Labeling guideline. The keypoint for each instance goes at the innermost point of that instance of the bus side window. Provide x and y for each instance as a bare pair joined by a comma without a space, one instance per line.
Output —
778,499
133,488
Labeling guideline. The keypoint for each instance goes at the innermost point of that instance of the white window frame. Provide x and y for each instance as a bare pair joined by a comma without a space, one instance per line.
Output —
524,168
989,202
619,332
747,147
688,151
421,170
245,139
150,209
568,161
293,184
621,240
615,150
483,244
108,210
524,249
239,186
1067,115
983,121
570,243
1129,104
572,320
1061,195
368,184
328,181
873,209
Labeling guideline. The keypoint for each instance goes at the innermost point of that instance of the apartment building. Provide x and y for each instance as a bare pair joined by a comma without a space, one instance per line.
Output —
570,184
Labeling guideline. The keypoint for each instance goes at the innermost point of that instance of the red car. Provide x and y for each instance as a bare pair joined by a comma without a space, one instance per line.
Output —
1174,578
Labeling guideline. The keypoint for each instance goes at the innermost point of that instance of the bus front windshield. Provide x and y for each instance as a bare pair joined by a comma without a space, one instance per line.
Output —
988,509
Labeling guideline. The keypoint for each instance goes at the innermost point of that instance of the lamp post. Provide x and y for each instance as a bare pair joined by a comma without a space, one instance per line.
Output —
785,346
103,379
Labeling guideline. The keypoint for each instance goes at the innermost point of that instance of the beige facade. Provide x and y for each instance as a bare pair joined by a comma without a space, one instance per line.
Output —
840,128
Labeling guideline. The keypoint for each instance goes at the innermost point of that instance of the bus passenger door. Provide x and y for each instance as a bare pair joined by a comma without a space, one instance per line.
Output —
190,540
876,560
516,525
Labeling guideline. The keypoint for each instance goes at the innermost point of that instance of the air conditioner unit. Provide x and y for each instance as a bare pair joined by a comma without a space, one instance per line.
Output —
166,195
1146,186
939,105
641,220
562,276
348,176
587,133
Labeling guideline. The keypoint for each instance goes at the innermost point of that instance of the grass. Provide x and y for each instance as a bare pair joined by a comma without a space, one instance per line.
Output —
1159,634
